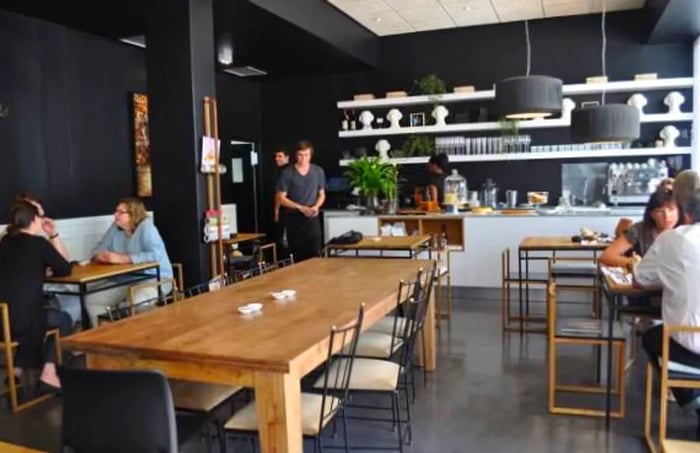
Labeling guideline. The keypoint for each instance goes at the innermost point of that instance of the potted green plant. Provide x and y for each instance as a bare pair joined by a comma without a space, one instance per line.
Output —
509,132
430,85
419,145
373,177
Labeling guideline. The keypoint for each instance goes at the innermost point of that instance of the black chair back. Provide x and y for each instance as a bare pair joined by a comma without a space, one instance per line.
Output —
117,411
336,384
214,284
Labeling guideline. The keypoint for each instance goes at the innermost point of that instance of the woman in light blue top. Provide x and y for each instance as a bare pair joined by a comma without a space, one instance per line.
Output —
132,238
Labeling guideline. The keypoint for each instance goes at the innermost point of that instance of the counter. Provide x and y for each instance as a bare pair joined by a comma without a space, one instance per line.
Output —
485,236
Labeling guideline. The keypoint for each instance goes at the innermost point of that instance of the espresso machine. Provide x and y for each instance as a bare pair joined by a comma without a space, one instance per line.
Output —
629,183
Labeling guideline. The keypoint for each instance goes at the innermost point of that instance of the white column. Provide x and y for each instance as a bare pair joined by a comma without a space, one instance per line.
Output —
695,139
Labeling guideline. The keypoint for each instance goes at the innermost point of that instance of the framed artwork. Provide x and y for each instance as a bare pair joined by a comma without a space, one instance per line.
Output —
417,119
142,148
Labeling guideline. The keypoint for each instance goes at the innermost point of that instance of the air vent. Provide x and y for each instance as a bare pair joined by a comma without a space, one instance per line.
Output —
245,71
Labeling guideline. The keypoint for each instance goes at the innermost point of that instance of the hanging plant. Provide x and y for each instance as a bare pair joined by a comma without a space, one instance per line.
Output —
430,85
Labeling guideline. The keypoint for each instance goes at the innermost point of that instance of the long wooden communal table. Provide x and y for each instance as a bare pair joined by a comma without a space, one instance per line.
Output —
205,338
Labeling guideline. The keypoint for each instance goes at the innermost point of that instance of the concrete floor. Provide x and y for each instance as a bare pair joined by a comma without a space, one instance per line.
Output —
488,395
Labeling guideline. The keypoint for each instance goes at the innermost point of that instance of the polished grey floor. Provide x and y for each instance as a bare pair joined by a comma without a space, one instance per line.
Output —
488,395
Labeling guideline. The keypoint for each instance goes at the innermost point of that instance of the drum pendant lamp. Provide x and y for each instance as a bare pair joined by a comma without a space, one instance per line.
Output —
605,123
528,97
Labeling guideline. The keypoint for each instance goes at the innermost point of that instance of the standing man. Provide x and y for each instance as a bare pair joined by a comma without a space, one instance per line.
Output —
301,191
281,158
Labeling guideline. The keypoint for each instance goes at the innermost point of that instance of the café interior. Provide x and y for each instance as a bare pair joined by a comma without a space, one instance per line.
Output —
357,225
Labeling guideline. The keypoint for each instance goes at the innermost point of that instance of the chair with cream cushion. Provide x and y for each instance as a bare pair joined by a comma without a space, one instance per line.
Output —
317,409
384,338
386,377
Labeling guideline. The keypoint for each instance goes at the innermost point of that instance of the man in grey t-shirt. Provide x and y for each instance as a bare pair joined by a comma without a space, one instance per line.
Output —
301,191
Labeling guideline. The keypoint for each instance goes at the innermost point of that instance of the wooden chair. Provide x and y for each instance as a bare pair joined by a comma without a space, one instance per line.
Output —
179,276
573,332
510,322
8,346
668,379
581,275
443,273
679,446
267,256
12,448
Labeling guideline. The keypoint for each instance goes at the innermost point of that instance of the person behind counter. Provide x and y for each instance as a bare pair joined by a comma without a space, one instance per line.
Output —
437,172
661,213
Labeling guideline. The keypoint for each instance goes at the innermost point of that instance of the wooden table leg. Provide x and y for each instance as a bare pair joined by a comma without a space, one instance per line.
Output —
278,398
426,338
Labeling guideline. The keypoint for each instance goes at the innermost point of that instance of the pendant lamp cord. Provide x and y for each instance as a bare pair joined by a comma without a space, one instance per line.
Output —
527,41
603,51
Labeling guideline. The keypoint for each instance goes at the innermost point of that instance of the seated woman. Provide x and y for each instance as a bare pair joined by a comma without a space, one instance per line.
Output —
25,257
132,238
661,214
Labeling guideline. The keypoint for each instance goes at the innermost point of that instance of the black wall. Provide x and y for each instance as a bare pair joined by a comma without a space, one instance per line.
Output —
67,137
568,48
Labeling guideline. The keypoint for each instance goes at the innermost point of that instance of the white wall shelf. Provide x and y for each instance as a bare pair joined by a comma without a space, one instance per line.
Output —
494,126
630,152
568,90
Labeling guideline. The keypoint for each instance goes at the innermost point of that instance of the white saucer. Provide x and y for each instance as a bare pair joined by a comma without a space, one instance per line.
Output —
284,294
253,307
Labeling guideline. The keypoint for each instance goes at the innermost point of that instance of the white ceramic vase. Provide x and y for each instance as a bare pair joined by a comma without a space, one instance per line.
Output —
669,134
366,119
382,147
394,116
639,101
673,101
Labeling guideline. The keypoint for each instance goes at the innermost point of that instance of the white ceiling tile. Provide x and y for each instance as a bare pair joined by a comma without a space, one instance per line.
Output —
555,8
513,10
387,17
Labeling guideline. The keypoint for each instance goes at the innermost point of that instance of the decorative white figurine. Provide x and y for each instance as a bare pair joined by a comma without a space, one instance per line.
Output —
383,147
440,112
674,100
567,105
394,116
669,134
366,119
639,101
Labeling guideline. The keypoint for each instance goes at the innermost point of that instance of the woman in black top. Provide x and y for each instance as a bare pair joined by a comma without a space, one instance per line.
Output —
25,258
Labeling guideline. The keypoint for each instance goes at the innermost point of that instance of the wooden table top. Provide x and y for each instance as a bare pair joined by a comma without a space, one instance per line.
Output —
92,272
209,329
10,448
558,243
243,237
385,243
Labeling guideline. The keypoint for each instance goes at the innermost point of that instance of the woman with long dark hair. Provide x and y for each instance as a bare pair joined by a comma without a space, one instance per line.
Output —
661,213
25,258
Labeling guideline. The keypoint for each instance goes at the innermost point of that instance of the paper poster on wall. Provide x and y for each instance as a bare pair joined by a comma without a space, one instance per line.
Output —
142,152
237,170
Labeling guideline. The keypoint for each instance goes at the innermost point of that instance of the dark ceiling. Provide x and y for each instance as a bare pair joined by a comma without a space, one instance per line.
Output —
261,39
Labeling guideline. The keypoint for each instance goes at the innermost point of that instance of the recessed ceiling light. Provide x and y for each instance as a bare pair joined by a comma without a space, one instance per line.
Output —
377,19
467,8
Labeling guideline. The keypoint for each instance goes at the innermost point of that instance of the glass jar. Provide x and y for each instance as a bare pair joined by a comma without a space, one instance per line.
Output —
489,194
455,191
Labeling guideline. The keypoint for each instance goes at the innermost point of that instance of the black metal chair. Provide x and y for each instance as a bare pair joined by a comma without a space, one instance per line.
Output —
117,411
318,409
387,377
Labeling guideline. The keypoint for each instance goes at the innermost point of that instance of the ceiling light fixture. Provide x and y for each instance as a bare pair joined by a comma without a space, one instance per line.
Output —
605,123
528,97
224,51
